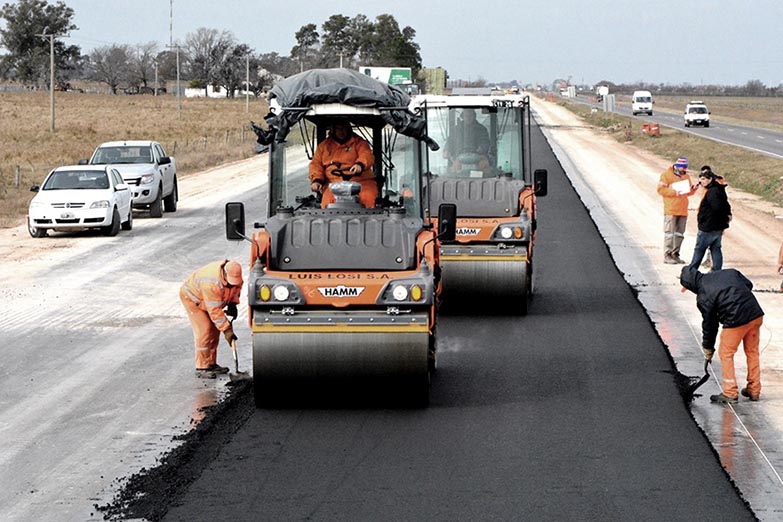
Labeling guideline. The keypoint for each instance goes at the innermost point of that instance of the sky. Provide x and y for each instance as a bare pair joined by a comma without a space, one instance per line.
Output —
727,42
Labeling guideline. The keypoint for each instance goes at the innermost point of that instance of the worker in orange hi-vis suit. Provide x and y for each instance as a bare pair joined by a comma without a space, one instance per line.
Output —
343,151
204,295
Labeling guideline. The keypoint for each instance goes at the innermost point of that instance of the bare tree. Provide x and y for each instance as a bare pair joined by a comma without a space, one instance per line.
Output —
142,65
206,48
111,65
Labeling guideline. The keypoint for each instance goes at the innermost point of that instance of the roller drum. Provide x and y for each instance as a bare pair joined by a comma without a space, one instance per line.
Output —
483,280
291,361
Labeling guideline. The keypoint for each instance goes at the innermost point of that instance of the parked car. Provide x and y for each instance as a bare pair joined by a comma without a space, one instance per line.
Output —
81,196
144,165
696,113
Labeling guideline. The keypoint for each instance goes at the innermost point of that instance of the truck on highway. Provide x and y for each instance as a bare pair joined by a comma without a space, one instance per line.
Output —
145,167
340,293
485,169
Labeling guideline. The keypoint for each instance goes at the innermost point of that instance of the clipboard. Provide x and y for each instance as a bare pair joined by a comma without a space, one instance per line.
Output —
681,187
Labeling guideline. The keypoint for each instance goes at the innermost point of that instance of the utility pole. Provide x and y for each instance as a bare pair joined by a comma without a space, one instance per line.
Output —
171,45
156,78
51,77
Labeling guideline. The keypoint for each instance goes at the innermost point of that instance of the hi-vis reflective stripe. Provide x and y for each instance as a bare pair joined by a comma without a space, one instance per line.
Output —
202,349
340,328
513,257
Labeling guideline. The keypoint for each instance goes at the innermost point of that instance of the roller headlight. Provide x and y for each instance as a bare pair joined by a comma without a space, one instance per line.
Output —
400,293
416,293
506,232
265,293
280,292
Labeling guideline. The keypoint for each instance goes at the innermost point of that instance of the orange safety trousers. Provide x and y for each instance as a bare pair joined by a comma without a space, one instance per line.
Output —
206,336
730,338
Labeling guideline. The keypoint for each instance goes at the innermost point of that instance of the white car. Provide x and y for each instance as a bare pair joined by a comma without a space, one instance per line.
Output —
696,113
78,197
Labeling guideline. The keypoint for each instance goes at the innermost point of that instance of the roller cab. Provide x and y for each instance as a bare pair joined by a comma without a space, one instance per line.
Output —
342,293
484,168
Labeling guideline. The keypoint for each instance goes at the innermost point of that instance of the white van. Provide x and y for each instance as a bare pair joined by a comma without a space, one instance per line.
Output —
642,102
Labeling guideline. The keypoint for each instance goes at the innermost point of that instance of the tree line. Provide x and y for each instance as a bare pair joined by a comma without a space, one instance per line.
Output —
207,57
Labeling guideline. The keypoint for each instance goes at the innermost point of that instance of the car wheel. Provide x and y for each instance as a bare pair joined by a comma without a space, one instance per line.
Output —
156,207
114,228
707,124
35,231
170,201
128,225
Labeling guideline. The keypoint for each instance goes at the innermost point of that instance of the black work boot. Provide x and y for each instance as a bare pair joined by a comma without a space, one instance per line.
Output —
205,374
723,399
745,393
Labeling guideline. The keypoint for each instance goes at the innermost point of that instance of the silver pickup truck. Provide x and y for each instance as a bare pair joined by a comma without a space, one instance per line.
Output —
145,167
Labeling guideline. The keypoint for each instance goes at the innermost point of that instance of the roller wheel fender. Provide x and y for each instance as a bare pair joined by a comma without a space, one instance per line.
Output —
156,207
35,231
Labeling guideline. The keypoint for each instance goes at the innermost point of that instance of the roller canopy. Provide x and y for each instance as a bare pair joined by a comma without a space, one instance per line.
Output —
320,86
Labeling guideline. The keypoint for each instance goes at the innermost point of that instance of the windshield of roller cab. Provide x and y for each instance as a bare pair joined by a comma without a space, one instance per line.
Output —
290,184
478,142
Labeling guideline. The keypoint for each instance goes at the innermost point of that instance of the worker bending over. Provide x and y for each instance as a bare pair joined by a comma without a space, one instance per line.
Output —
725,297
204,295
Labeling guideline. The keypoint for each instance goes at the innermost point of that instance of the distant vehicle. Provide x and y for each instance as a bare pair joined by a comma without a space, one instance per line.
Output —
696,113
642,102
81,196
151,174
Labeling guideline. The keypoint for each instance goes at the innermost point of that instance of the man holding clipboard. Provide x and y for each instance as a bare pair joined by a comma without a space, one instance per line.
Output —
675,187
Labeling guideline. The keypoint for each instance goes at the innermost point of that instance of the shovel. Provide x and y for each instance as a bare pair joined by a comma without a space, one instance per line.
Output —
237,376
688,394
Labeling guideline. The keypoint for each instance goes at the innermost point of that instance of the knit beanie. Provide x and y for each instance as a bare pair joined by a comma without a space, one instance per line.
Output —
681,163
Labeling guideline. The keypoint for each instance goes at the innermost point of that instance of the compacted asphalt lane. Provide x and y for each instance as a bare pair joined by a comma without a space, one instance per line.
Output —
569,413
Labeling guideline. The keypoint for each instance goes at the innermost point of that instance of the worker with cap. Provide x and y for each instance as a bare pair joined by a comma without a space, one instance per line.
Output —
725,297
343,156
204,295
675,186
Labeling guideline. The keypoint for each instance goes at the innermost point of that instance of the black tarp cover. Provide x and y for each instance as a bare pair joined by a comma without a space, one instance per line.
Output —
318,86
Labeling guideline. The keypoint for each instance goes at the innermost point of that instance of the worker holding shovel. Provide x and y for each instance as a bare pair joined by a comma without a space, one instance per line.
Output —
725,297
204,295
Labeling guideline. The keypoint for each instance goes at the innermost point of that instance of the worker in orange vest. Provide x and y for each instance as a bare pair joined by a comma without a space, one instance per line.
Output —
204,295
343,154
675,186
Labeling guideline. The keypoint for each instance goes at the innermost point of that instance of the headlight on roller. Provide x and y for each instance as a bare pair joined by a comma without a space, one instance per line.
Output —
400,293
405,291
506,232
265,293
280,293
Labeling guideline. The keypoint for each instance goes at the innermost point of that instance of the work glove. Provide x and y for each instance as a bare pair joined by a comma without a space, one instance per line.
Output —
708,353
229,335
231,311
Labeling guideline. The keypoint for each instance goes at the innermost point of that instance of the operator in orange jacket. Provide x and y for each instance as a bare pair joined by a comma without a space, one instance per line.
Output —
204,295
675,208
343,150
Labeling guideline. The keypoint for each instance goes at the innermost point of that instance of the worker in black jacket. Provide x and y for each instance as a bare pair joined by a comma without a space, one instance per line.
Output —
714,216
725,297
